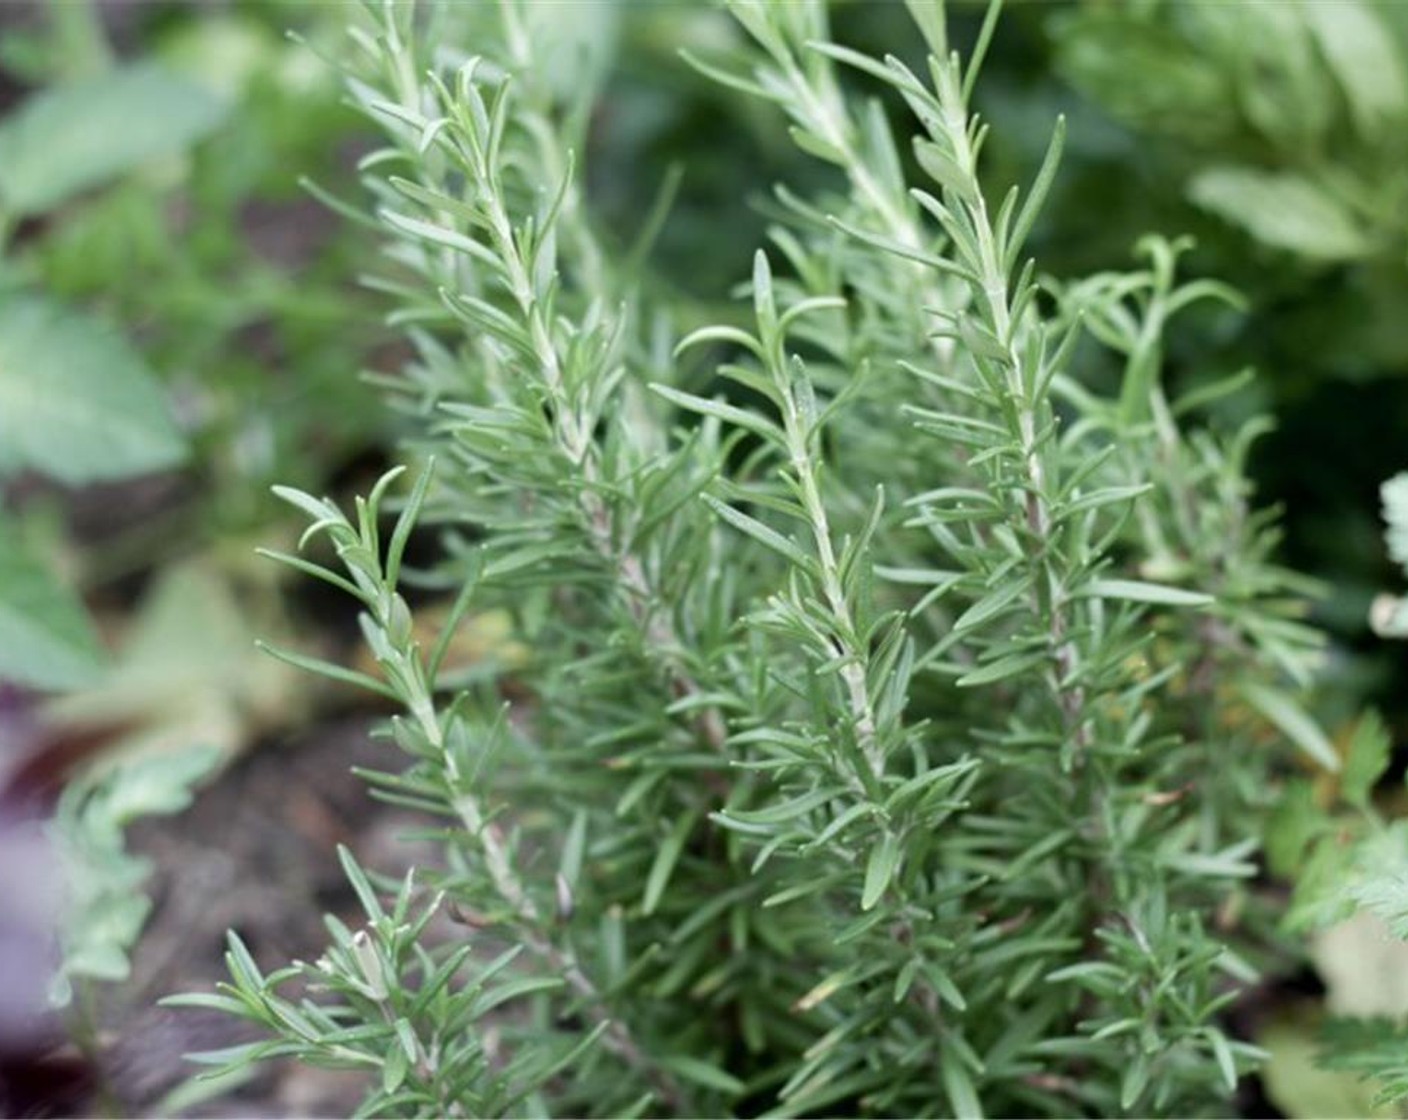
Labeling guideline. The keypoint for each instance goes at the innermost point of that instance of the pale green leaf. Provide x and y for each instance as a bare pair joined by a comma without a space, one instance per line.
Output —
46,640
1222,1053
958,1085
815,145
880,869
394,1071
1003,668
1140,591
940,166
573,849
929,16
437,235
76,401
70,138
1134,1082
1294,723
1362,54
991,605
781,812
1283,210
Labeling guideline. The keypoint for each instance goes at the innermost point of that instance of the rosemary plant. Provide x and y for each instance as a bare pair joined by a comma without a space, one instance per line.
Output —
896,712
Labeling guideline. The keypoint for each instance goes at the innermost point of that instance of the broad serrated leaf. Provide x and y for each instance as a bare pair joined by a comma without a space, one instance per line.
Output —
1320,899
1363,966
1381,883
666,856
1366,759
1360,1068
703,1073
70,138
187,670
76,401
158,785
1299,1084
1003,668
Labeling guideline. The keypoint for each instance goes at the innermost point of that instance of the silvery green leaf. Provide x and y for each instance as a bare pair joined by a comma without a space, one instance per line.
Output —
1285,210
73,137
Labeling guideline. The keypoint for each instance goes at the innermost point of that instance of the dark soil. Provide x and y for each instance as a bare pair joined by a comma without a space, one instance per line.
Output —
256,853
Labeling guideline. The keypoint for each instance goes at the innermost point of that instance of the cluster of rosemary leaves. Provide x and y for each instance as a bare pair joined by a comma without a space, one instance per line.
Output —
893,712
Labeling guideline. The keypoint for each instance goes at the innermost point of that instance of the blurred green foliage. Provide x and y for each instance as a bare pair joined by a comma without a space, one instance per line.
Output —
169,297
234,280
171,303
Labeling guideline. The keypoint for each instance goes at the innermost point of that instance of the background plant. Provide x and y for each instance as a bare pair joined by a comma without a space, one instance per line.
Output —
140,426
127,281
